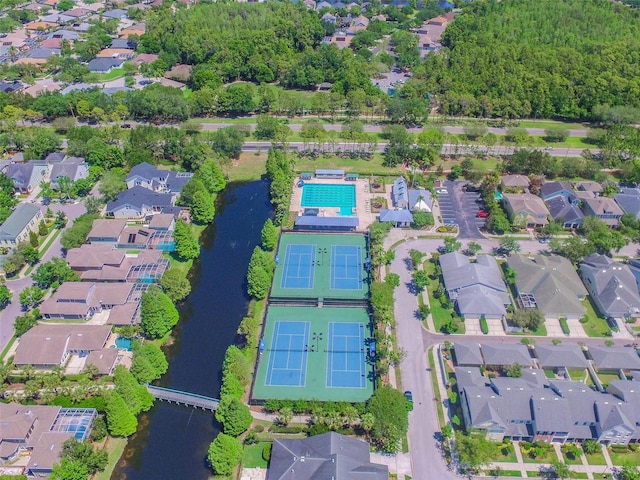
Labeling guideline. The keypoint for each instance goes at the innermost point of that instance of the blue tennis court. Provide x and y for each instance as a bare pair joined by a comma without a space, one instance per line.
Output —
288,357
299,266
346,267
346,366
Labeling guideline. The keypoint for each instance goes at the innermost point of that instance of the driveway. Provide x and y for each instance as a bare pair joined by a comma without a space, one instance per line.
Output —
465,208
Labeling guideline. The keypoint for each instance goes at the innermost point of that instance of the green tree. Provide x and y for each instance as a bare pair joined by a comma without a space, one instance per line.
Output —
69,470
136,396
225,452
83,452
76,235
5,296
388,406
420,279
422,220
234,415
158,314
514,371
121,421
509,246
33,239
452,245
23,323
61,220
149,362
211,176
269,235
560,469
202,208
112,183
629,472
498,223
473,248
43,231
260,273
187,246
175,284
55,271
591,446
31,296
236,364
474,450
530,319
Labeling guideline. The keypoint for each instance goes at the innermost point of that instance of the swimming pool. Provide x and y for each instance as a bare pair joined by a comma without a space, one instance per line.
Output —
122,342
328,195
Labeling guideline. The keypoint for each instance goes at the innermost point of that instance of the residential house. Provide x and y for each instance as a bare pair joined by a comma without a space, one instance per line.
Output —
476,288
359,24
562,210
40,26
139,202
105,360
467,354
520,182
10,86
605,208
327,456
123,53
420,200
51,43
399,218
57,17
106,231
74,169
525,209
329,17
400,193
82,300
505,355
180,72
104,263
65,35
612,286
122,43
27,176
589,186
560,356
629,200
78,12
551,190
152,178
47,345
117,13
32,436
145,58
550,284
614,359
104,65
24,219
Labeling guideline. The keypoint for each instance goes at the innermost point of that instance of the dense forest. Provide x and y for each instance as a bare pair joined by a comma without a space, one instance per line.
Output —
543,58
262,43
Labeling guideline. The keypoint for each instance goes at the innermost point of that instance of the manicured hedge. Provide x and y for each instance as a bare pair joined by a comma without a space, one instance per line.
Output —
484,326
565,326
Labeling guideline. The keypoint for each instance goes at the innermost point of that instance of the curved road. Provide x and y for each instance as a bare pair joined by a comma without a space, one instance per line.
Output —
426,460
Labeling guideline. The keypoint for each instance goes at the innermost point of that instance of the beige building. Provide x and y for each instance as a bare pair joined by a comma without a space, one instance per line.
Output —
25,219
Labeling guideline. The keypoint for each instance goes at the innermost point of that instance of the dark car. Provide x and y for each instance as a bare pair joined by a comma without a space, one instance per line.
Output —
125,125
409,396
46,200
613,324
145,82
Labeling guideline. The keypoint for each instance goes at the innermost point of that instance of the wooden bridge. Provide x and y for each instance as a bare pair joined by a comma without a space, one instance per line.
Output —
183,398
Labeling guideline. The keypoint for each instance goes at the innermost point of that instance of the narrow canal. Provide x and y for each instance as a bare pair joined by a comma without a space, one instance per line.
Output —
172,441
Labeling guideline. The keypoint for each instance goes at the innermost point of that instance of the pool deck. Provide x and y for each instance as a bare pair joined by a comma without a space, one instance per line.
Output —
363,200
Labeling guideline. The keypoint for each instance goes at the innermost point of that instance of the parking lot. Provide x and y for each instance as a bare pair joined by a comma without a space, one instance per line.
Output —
472,203
462,208
447,210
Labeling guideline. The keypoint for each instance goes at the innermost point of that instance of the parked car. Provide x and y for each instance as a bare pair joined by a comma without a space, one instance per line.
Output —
125,125
482,214
409,396
442,249
613,324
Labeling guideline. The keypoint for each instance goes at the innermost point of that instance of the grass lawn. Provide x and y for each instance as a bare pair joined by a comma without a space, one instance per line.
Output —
250,166
436,391
579,475
361,166
596,459
549,457
510,473
629,458
551,124
605,378
601,475
112,75
115,447
252,455
577,374
533,474
441,316
570,459
506,453
594,326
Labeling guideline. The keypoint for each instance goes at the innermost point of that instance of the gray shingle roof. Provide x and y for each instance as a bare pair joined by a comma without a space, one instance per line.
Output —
554,356
561,209
551,190
629,201
552,281
615,358
551,413
420,200
328,222
399,192
396,216
139,197
17,221
468,354
506,354
326,456
104,64
459,272
611,284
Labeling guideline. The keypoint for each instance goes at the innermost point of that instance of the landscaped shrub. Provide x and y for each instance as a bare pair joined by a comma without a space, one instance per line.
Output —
484,326
266,452
283,429
565,326
318,429
619,448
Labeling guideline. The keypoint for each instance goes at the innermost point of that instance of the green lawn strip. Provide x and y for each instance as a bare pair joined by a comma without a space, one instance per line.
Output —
115,447
549,457
595,459
533,474
601,475
552,124
252,455
579,475
577,374
506,453
594,326
570,460
359,165
510,473
436,390
441,316
629,458
43,250
7,348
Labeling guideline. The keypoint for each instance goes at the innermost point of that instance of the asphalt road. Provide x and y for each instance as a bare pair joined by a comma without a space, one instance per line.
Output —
426,459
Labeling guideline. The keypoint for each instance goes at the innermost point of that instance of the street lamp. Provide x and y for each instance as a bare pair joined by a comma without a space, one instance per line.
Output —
315,338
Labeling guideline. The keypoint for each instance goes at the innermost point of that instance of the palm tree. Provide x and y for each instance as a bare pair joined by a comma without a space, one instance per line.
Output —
367,421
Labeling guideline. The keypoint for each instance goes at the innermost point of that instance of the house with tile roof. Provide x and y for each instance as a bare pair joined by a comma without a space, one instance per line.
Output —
521,182
525,210
612,286
605,208
82,300
550,284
